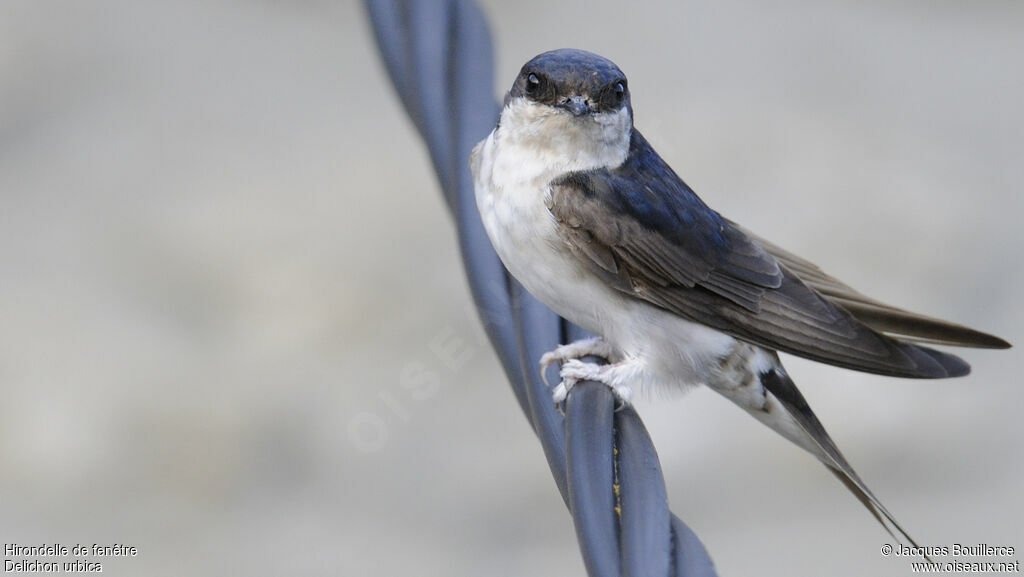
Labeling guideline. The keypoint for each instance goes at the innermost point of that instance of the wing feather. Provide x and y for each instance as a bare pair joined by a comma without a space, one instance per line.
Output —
643,230
882,317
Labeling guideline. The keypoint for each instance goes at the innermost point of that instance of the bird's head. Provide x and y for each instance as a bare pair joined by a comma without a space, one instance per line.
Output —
572,81
571,101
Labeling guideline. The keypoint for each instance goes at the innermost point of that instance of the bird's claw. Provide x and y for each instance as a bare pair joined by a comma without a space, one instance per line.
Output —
593,346
574,371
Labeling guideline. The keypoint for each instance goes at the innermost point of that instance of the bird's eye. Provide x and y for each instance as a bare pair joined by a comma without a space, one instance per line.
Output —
620,91
532,84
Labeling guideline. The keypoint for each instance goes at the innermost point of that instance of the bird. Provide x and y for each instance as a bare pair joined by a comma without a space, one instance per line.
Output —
595,224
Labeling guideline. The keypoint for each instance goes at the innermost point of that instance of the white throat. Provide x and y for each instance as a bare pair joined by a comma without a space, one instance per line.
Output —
542,142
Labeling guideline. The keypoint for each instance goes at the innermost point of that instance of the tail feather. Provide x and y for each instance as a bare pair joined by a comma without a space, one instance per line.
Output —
778,383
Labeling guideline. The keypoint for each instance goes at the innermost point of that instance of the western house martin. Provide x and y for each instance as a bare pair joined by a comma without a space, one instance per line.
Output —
586,215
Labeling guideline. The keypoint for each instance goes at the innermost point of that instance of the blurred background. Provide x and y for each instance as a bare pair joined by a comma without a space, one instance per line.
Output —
234,330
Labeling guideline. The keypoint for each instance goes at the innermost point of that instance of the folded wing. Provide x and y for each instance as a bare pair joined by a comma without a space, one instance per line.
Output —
646,233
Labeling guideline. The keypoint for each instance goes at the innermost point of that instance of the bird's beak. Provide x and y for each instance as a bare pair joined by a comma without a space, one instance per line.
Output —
577,105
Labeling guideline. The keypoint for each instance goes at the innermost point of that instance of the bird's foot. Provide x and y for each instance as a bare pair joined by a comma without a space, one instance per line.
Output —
615,376
595,346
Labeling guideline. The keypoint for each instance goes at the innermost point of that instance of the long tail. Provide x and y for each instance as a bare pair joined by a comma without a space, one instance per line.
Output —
783,388
782,407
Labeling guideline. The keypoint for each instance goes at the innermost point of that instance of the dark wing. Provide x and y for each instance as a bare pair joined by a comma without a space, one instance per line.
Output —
643,230
884,318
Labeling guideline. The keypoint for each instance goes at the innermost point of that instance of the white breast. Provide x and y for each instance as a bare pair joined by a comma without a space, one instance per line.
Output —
512,180
511,189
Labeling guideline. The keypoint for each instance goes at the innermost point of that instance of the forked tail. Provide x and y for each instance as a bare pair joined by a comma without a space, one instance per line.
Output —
778,383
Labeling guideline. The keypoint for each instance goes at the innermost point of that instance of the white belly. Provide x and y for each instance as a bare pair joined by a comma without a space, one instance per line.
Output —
673,351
